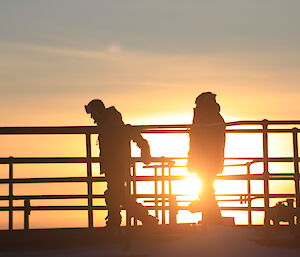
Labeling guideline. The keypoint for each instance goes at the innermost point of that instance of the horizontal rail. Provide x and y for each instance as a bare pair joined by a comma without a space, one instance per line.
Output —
173,128
79,207
271,176
40,160
49,197
178,131
24,160
50,180
283,176
49,130
101,196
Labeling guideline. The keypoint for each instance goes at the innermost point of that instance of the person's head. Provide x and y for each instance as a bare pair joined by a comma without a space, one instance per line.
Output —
96,109
205,98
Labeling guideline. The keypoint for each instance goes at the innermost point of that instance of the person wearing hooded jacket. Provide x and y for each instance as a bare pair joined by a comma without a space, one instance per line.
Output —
115,160
206,154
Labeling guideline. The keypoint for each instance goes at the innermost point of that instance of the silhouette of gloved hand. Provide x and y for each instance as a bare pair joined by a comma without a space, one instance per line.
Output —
146,158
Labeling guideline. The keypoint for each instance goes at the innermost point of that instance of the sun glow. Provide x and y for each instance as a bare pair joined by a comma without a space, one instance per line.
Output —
237,145
191,186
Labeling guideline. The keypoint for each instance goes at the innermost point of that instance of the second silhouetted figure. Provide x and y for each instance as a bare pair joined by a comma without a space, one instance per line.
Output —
206,154
115,160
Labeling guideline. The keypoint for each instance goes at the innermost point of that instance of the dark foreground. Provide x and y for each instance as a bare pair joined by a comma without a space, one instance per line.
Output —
179,240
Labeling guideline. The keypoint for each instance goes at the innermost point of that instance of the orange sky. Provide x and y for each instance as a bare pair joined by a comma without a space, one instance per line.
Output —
150,60
51,86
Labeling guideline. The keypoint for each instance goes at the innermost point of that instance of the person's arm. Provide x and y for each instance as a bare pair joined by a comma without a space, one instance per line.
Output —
142,143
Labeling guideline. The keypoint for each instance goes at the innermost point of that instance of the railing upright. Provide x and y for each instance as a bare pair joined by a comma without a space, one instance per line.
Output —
89,181
171,200
127,199
173,210
134,191
266,172
156,202
296,169
11,195
249,195
163,192
27,210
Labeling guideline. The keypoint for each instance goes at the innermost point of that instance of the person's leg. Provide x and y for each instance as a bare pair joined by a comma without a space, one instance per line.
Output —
211,213
113,198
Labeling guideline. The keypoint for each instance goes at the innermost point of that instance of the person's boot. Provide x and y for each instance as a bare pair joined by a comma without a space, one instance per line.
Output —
113,220
149,220
139,212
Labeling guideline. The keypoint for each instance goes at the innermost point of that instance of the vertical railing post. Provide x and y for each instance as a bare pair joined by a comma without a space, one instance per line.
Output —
89,181
134,188
10,194
163,199
266,173
171,218
296,171
27,210
170,179
249,195
127,197
156,192
173,210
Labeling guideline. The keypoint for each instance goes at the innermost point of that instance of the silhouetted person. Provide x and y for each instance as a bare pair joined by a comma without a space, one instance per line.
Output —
206,154
115,157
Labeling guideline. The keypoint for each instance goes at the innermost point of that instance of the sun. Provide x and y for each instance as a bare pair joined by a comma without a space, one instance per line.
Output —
187,188
191,186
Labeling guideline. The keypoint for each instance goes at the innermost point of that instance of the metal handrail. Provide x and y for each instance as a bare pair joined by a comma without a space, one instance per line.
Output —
266,176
